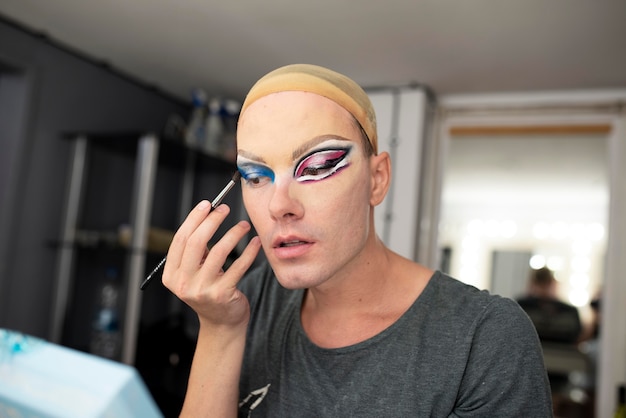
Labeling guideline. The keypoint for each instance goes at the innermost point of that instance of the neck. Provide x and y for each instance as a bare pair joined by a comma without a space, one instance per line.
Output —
358,305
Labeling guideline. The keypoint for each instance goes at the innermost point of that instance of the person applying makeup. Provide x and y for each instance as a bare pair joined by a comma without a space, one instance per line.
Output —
334,323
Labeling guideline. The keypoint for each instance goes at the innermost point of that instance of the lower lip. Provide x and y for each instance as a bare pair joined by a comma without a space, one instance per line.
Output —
293,251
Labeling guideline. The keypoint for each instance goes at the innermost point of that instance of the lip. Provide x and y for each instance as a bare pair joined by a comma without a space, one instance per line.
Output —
297,247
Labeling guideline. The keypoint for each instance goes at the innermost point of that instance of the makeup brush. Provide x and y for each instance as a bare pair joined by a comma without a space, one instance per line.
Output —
215,203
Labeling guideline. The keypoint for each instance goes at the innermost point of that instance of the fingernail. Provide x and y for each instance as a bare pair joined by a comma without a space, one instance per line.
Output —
221,208
203,204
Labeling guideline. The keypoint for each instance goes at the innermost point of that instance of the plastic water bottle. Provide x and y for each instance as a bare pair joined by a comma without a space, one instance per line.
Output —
231,110
106,335
214,128
195,134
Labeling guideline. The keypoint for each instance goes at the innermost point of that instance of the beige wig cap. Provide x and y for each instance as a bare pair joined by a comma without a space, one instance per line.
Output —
324,82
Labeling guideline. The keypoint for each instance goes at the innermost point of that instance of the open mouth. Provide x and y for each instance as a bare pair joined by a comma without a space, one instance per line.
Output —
291,243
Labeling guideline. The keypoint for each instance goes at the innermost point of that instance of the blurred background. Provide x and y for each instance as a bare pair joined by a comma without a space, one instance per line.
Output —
505,122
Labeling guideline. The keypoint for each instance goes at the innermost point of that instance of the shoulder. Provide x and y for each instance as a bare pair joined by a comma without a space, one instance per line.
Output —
475,309
454,294
504,371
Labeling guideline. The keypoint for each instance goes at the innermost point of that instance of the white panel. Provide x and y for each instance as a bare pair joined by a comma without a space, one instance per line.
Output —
400,207
613,337
383,105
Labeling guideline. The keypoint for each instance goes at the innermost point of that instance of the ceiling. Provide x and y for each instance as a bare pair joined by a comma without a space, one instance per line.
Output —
453,47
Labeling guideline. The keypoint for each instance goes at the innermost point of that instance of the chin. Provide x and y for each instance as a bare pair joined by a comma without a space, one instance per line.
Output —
295,280
293,283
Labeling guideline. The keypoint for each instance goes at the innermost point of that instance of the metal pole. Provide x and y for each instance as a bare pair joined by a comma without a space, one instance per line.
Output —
143,191
65,263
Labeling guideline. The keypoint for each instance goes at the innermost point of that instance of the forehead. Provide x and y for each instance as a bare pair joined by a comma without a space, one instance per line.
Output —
282,122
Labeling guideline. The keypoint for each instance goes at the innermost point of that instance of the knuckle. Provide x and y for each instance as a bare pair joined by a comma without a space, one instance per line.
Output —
196,240
179,239
220,251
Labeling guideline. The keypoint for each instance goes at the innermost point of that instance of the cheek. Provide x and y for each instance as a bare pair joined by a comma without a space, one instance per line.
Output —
353,209
254,209
346,206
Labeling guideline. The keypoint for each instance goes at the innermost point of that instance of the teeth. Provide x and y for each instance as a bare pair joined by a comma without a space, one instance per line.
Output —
290,243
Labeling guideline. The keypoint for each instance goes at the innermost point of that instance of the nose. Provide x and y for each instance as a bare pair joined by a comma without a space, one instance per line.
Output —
284,204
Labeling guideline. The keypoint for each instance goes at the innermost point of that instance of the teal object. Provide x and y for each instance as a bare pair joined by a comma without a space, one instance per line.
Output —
41,379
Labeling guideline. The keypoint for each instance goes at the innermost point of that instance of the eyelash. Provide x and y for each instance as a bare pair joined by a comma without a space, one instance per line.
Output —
327,166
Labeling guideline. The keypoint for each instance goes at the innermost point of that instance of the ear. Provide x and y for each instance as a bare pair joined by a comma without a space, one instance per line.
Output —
380,172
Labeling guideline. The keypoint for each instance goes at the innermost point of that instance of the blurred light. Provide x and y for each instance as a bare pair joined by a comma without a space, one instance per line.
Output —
581,247
577,230
508,229
537,261
491,228
555,263
470,243
581,264
468,274
475,227
595,231
558,230
579,280
578,297
469,258
541,230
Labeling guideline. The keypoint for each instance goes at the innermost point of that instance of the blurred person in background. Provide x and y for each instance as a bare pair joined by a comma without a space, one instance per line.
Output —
555,320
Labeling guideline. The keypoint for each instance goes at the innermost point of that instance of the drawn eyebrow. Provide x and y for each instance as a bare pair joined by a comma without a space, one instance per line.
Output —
298,152
304,148
250,156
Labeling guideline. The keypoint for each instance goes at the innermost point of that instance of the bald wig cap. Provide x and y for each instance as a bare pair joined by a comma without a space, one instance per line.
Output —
324,82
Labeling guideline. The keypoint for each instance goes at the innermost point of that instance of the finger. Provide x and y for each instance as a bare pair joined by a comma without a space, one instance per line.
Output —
239,267
179,241
196,243
220,251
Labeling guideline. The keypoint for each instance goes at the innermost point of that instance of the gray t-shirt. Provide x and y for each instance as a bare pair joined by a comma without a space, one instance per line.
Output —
456,352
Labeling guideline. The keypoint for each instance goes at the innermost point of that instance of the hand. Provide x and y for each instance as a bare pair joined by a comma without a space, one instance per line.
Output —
195,275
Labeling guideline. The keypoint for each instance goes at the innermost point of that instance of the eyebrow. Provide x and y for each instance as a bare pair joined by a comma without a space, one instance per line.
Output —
298,152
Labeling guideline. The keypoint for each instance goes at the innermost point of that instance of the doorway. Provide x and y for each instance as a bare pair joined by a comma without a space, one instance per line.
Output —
523,114
542,192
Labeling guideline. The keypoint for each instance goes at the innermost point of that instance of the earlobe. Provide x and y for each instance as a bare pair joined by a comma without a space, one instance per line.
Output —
380,166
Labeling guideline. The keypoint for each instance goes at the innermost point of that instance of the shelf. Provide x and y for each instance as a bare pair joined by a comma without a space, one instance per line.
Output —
120,183
173,151
157,242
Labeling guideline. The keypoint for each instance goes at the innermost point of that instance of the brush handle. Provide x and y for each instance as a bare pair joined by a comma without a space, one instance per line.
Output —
152,273
218,199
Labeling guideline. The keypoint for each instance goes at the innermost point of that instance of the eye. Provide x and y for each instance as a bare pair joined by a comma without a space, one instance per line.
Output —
256,175
321,164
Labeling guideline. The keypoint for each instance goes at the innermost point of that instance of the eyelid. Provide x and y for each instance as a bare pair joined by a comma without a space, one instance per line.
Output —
346,149
254,171
335,161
